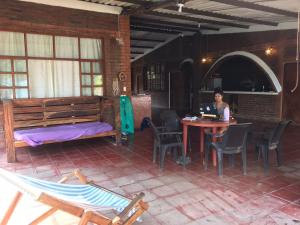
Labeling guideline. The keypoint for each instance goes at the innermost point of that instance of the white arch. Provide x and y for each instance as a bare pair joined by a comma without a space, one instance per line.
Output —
258,61
189,60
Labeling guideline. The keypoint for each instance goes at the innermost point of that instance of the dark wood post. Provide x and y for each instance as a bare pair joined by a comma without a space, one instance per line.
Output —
9,130
117,120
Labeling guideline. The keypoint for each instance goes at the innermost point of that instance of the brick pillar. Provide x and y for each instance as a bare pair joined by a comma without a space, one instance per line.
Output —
124,26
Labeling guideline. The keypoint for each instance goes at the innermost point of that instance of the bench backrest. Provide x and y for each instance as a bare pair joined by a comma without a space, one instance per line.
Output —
44,112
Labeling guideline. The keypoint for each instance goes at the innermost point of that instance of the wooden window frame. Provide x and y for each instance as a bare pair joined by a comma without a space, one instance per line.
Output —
79,60
13,72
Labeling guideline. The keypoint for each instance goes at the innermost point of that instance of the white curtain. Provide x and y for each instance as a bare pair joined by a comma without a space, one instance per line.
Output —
90,48
6,80
66,79
49,78
66,47
41,83
12,43
6,93
5,65
39,45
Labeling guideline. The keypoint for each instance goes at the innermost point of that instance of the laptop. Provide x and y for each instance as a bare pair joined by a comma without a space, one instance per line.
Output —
208,110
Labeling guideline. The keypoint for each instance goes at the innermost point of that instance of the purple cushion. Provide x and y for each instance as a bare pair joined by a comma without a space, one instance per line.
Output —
38,136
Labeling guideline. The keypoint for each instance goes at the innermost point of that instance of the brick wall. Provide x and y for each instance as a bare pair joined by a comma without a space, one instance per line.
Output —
250,106
142,108
258,107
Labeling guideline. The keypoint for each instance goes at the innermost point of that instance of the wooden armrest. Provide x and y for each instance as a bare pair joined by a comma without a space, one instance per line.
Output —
83,179
136,202
77,173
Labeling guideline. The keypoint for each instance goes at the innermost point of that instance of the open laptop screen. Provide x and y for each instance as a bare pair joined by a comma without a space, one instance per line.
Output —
208,108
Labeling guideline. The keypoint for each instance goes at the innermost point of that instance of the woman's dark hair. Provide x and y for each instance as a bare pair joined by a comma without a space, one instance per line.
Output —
218,90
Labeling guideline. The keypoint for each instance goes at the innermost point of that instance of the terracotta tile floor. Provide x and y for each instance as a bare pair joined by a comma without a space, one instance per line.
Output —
176,195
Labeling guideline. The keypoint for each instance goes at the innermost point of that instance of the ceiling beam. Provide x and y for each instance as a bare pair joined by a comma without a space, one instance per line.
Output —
136,2
155,30
146,39
223,16
160,22
198,20
160,45
254,6
141,46
164,26
136,52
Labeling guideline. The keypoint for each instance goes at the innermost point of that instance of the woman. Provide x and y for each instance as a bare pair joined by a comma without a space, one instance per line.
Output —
222,107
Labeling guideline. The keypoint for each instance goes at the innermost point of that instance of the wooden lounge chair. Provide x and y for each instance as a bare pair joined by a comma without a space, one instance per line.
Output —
84,200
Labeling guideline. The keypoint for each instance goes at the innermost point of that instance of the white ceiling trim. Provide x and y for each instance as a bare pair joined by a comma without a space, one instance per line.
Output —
75,4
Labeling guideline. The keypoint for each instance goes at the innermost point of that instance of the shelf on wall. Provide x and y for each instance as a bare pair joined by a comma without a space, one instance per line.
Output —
244,92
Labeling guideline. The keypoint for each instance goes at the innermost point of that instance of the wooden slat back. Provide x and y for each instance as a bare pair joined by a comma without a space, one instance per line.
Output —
56,111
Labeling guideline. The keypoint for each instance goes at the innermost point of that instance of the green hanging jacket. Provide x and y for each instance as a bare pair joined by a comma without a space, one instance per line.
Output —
126,113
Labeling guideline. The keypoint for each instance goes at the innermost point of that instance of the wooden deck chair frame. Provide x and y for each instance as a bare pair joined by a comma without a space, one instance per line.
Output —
56,204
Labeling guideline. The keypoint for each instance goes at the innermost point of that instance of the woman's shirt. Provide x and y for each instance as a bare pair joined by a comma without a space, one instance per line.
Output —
223,111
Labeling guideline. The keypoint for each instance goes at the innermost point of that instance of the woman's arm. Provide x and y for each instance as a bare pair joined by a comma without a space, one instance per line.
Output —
226,114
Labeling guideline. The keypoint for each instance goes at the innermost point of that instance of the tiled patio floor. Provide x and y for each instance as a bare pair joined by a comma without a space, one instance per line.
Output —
176,195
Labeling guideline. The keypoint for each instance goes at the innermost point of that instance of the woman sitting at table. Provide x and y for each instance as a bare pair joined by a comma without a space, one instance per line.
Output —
222,107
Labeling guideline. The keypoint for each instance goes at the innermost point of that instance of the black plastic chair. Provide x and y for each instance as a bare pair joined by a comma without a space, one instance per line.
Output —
234,140
170,120
272,141
166,141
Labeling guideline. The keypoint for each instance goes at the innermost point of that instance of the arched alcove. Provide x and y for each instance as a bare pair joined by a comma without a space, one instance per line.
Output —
244,71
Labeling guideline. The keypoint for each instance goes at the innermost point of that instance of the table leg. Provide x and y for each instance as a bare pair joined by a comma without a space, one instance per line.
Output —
185,134
201,141
214,154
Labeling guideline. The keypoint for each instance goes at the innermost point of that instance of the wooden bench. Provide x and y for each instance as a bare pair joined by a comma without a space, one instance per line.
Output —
43,112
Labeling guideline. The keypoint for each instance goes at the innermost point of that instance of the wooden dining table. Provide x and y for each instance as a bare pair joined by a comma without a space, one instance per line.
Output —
202,124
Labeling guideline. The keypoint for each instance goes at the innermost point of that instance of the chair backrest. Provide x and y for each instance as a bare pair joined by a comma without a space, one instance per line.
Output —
278,131
170,120
155,130
236,135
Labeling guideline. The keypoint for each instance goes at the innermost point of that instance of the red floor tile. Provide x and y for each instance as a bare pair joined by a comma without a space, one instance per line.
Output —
176,195
287,195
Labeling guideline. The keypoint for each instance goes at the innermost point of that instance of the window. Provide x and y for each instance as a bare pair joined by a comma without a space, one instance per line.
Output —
39,45
154,77
37,66
13,78
12,44
91,78
66,47
91,69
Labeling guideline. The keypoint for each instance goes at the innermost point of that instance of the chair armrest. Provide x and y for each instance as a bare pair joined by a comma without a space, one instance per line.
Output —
162,128
215,135
215,145
170,133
